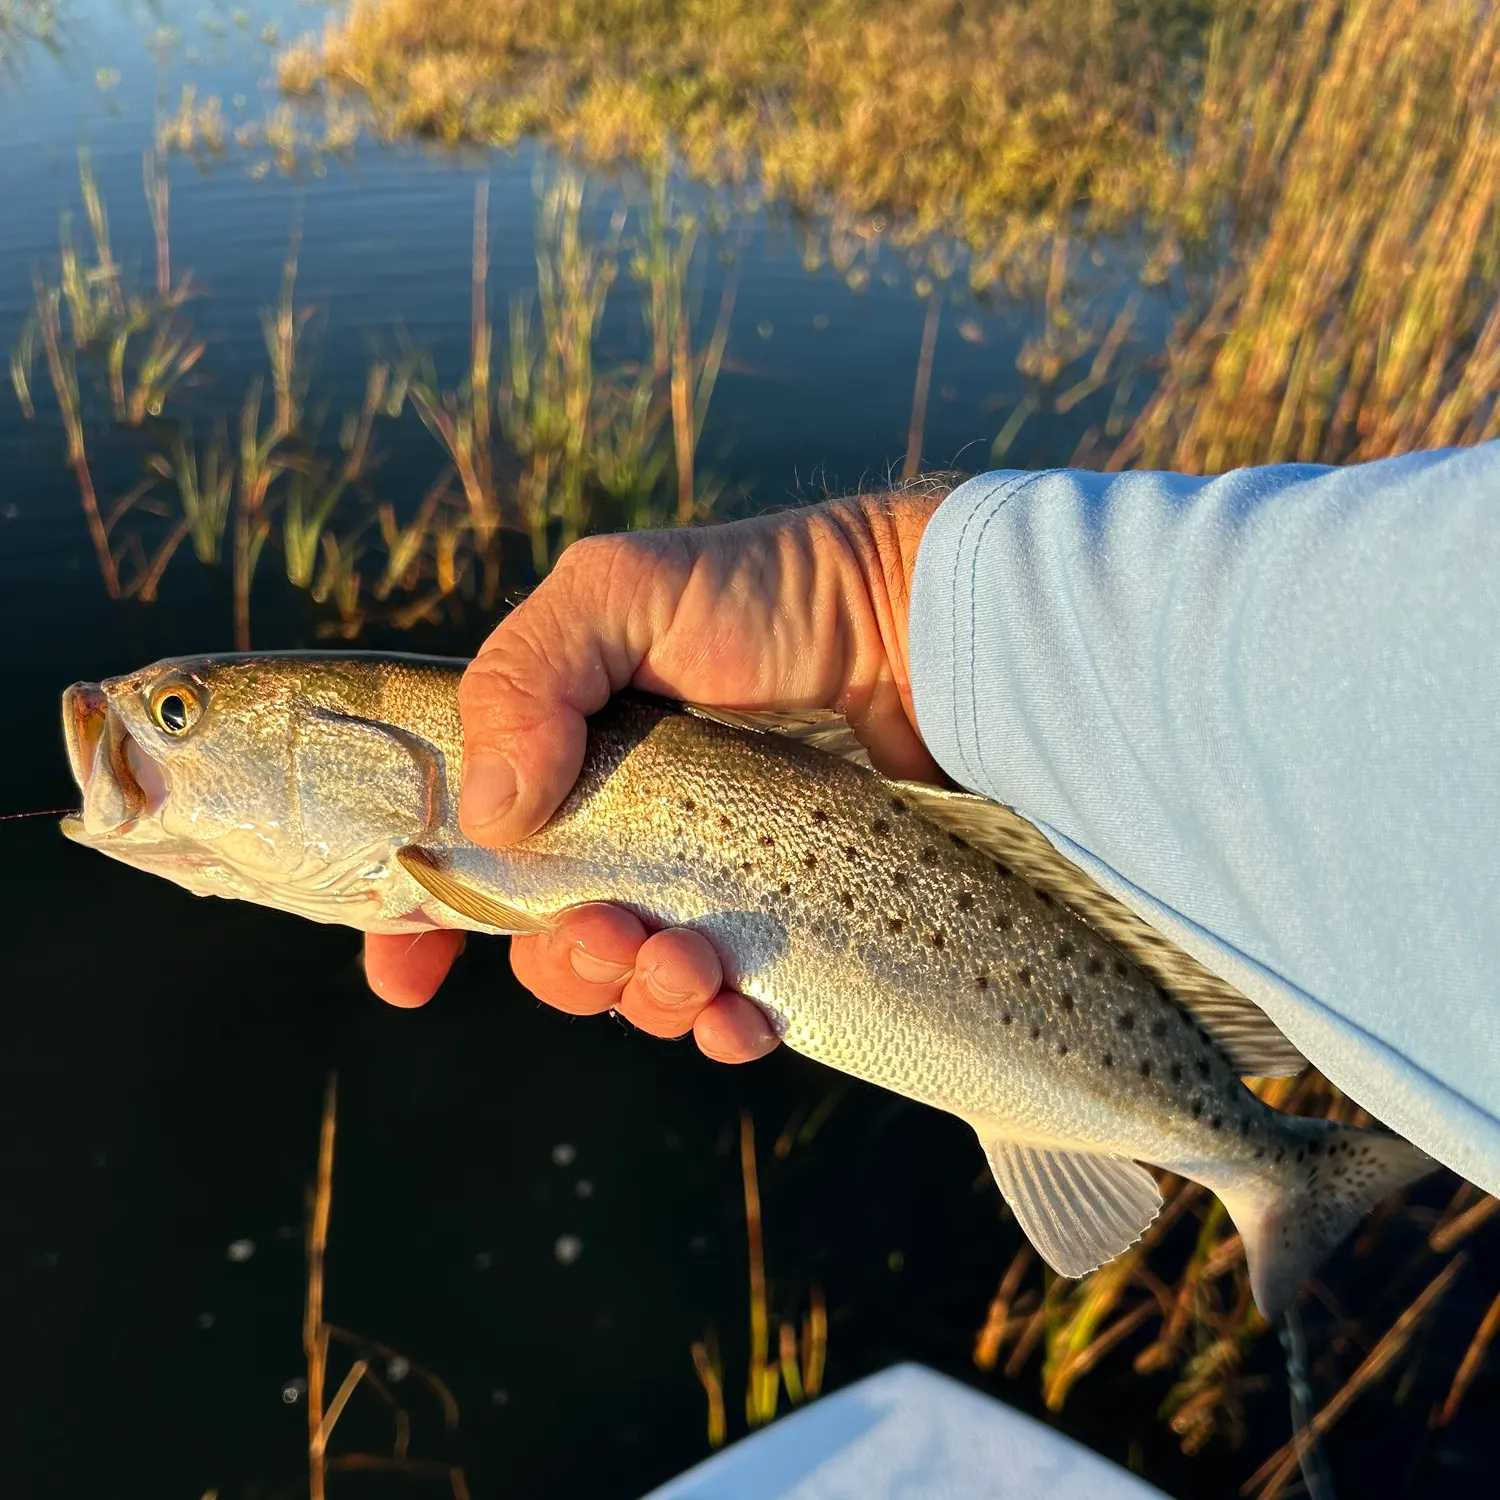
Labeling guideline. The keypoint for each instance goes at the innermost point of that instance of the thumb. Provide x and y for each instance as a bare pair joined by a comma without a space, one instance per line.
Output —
554,660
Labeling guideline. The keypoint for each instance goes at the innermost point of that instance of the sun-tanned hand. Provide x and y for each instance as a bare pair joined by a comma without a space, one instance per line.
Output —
802,610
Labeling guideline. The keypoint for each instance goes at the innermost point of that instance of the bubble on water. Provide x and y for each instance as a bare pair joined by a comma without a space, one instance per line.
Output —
240,1250
205,1321
294,1390
499,1397
765,328
483,1261
567,1249
583,1188
397,1368
820,322
564,1154
971,330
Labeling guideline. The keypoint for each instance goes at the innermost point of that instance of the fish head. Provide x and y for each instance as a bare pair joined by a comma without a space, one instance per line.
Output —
268,779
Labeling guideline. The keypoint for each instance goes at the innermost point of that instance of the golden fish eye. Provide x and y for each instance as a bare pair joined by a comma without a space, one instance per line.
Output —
175,711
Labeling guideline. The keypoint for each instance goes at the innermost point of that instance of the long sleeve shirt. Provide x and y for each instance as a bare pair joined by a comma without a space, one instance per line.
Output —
1263,710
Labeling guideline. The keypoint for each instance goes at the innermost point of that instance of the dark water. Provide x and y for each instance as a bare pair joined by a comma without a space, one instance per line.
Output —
162,1059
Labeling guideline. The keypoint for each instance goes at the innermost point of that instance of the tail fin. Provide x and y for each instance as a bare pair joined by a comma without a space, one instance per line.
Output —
1335,1175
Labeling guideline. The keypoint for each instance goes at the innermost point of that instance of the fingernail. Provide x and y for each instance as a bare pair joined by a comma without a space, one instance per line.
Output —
489,787
596,970
663,994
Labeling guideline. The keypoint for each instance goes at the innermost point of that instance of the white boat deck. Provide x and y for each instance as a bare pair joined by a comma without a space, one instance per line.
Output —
907,1434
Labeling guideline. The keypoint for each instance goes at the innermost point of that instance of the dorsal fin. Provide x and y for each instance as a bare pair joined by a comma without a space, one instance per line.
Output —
821,728
1250,1039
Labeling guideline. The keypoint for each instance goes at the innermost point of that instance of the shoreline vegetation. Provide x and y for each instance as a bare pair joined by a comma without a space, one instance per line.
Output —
1324,175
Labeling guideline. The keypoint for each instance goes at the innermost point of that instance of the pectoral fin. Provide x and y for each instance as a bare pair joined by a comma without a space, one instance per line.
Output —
466,900
1078,1209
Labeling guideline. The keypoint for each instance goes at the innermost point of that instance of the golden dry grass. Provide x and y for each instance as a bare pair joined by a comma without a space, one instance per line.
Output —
986,123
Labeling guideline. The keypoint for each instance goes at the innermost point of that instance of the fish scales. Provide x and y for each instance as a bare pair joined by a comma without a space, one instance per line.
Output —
879,941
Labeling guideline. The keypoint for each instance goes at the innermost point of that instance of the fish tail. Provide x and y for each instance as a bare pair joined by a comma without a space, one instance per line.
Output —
1330,1177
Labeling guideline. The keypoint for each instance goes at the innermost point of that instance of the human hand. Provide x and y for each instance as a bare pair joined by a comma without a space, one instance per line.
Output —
806,609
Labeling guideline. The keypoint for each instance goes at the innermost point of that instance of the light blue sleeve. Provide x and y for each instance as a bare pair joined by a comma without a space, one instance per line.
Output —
1264,711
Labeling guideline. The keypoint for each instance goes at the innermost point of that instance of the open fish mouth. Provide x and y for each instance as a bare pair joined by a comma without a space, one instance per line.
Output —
120,782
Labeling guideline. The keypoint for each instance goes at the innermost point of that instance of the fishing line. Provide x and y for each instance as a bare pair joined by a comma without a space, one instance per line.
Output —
45,812
1309,1452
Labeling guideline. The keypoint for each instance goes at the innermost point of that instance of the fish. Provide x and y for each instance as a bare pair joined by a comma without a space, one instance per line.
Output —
926,940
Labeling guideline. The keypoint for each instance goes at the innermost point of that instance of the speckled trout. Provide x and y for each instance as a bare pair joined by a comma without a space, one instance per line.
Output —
925,940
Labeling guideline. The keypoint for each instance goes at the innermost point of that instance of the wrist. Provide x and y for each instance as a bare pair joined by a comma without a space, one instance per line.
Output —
883,533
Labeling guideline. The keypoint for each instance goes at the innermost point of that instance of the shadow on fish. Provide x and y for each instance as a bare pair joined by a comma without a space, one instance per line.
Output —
925,940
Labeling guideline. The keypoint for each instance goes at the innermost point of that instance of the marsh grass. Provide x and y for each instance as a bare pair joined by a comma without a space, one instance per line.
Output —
1320,176
795,1362
1357,148
319,1338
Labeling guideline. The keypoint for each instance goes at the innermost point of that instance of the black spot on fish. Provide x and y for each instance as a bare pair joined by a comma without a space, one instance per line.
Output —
897,805
1158,1028
1005,1018
1312,1149
847,901
1216,1122
747,865
767,840
880,827
929,855
851,851
1244,1125
1065,950
1002,919
1300,1153
1036,1031
896,924
810,860
982,981
1145,1067
938,937
820,815
1260,1151
1065,1000
1044,897
1001,869
1024,975
900,881
1205,1038
1125,1020
688,805
1096,966
1203,1067
1197,1108
1176,1072
786,888
1108,1059
965,901
1281,1154
724,821
1121,968
954,839
1062,1049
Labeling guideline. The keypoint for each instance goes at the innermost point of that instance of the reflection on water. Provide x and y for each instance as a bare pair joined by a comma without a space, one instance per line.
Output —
286,382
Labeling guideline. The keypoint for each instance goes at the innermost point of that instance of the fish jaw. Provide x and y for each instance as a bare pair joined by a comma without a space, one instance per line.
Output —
120,782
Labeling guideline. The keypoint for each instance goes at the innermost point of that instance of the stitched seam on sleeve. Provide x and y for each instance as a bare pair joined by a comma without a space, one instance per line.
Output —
978,774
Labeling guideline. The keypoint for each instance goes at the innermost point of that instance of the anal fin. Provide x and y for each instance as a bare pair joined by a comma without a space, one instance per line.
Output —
1079,1209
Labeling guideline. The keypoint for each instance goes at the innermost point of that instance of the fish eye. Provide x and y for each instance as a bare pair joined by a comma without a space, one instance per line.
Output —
175,711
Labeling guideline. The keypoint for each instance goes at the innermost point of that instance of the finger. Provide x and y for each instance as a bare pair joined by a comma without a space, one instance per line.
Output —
733,1029
580,967
553,661
405,970
677,973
